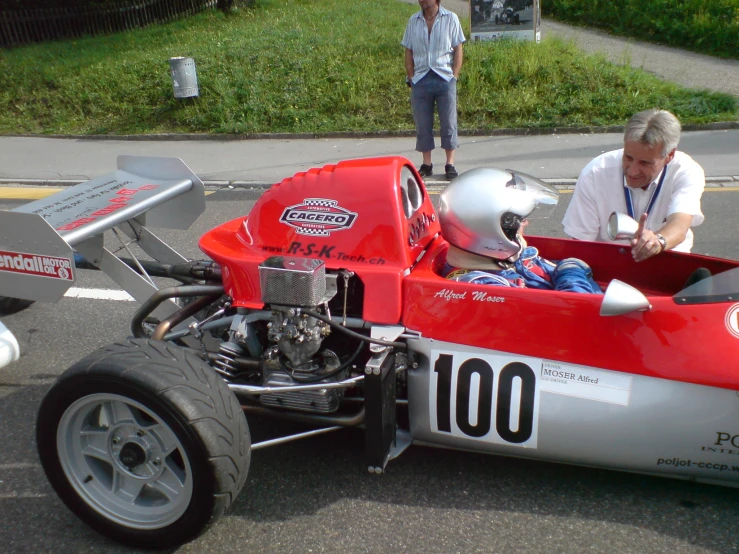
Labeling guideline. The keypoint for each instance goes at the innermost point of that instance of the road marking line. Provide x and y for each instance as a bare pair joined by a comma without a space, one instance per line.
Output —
21,495
19,465
24,193
99,294
23,383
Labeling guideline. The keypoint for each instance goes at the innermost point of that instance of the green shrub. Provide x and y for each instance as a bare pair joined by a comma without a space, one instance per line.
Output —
707,26
315,67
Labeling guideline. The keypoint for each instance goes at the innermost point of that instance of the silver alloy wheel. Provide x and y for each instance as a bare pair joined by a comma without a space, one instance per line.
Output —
124,461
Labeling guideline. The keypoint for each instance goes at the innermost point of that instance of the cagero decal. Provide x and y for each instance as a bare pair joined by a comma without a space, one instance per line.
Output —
35,264
591,384
732,320
490,398
318,217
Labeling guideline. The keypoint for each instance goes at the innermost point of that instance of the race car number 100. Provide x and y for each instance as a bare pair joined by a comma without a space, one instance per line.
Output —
472,401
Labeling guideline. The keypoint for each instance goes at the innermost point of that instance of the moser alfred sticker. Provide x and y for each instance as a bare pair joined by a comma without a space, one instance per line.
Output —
34,264
318,217
592,384
732,320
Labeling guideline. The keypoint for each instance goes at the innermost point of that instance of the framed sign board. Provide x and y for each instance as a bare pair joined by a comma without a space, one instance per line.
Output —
493,19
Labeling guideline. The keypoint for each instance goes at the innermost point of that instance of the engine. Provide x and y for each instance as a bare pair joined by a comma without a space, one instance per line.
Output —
365,222
290,286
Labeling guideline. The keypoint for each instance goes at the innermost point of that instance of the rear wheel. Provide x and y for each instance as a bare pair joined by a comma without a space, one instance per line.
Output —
144,442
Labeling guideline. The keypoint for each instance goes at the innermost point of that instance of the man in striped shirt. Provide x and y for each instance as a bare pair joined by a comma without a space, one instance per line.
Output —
433,59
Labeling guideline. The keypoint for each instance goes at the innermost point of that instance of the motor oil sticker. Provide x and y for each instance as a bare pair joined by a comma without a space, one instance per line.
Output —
732,320
591,384
34,264
318,217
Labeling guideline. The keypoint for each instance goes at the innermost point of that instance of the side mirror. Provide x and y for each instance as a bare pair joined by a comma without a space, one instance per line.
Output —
621,226
621,298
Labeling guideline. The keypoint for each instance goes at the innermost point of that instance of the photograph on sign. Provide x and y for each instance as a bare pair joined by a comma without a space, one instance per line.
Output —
494,19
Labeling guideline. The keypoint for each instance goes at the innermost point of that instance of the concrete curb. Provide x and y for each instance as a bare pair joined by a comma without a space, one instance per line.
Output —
718,126
562,184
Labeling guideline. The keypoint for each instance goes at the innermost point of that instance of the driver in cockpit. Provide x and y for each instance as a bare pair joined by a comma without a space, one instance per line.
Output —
483,214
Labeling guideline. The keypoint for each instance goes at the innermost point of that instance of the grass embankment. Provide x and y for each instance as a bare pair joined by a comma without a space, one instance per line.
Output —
317,67
707,26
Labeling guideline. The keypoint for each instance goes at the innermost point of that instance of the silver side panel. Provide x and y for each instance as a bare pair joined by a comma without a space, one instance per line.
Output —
483,400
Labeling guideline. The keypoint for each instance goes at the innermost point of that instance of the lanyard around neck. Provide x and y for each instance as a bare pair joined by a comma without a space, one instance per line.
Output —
652,199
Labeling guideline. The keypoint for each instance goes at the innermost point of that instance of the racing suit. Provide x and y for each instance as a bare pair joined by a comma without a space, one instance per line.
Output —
532,271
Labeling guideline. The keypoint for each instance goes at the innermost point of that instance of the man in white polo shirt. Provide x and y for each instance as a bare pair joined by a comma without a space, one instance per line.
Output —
647,179
433,42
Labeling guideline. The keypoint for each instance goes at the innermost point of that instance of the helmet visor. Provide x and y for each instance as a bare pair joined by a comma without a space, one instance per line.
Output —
545,196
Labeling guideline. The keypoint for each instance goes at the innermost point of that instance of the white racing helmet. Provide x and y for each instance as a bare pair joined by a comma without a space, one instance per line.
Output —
482,209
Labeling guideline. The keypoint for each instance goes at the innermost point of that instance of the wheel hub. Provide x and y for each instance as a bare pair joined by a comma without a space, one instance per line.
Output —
132,455
124,462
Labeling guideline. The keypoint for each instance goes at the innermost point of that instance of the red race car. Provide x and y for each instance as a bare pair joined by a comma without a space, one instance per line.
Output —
328,305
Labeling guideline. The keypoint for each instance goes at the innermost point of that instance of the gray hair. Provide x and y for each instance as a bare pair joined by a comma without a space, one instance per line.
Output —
654,127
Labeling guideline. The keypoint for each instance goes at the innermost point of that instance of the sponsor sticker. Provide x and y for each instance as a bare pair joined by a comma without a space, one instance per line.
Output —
120,200
318,217
693,464
732,320
591,384
325,251
724,443
34,264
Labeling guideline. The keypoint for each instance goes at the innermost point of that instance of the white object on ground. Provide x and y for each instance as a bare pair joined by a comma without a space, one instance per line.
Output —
9,349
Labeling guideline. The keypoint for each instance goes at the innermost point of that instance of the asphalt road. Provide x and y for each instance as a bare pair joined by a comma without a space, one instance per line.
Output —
316,496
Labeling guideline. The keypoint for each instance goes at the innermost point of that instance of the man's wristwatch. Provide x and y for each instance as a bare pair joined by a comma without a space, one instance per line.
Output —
662,241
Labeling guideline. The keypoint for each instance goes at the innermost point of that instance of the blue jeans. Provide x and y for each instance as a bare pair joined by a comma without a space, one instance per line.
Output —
429,91
573,275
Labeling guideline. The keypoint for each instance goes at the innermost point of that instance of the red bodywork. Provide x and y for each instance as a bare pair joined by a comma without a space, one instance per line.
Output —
360,225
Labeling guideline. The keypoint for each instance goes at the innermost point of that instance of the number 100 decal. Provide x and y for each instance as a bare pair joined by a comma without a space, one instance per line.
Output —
487,398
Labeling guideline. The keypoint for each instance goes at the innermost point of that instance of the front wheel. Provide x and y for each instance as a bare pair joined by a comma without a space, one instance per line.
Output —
144,442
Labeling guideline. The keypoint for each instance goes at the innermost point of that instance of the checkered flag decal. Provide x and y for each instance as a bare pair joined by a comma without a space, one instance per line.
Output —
321,202
313,232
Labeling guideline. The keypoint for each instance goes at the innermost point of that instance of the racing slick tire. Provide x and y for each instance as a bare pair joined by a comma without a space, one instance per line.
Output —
13,305
144,442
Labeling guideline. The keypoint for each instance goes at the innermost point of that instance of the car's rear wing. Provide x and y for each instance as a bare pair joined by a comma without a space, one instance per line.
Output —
37,239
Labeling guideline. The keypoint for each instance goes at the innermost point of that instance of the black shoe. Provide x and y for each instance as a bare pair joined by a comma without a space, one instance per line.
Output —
450,172
426,170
